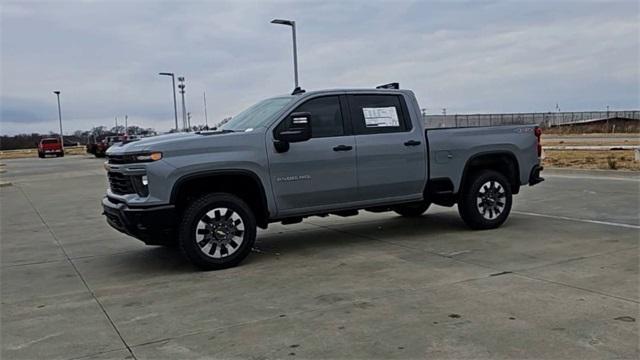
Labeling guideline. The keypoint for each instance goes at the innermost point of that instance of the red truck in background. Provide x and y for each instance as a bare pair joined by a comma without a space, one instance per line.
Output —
50,146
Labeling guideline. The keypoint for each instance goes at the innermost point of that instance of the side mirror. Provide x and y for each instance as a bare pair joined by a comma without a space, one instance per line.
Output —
298,129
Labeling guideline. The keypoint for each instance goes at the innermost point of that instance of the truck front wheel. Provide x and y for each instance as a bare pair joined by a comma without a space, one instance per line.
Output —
485,201
217,231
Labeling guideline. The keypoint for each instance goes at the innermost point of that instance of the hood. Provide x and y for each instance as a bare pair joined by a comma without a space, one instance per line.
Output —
176,143
146,144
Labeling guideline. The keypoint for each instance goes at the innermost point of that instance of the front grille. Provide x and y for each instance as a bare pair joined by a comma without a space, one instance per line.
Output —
120,184
120,159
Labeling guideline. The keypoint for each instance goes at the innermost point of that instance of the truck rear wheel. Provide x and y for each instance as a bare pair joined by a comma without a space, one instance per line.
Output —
217,231
485,201
412,210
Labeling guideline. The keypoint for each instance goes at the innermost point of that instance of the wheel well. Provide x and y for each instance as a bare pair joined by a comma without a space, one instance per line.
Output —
246,186
504,163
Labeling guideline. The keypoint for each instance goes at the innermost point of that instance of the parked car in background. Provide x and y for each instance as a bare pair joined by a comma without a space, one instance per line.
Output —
50,146
92,142
102,146
315,153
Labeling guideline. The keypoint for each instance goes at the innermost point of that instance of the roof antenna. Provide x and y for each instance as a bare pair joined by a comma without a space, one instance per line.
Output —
298,90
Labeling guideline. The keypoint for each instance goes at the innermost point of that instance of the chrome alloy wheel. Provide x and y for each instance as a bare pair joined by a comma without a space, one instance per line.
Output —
491,200
220,233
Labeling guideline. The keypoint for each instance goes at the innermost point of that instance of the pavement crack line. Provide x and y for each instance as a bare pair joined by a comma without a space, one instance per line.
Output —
577,287
557,217
479,265
77,271
579,258
62,260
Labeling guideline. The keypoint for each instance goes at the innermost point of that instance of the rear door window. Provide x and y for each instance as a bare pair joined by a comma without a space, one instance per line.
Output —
376,114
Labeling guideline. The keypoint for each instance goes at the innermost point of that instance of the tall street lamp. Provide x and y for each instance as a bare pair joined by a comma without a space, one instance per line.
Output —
295,48
57,92
175,106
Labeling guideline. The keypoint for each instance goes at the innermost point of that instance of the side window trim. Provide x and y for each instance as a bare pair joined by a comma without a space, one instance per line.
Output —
346,115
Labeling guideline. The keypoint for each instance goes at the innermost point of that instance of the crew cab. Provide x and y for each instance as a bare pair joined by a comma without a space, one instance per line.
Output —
50,146
311,154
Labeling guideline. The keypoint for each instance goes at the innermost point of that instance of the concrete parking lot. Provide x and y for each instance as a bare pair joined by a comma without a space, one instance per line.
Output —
558,280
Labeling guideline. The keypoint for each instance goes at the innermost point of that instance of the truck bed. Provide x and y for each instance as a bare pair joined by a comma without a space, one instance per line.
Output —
451,148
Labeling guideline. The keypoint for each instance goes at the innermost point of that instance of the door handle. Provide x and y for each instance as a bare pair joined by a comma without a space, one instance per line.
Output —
412,143
342,148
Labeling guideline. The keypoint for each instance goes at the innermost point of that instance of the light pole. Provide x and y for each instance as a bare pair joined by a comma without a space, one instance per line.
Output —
175,106
184,109
57,92
295,48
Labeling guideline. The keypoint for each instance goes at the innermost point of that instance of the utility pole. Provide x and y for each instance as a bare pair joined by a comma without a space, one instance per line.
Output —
444,111
206,118
116,125
184,108
57,92
189,120
126,125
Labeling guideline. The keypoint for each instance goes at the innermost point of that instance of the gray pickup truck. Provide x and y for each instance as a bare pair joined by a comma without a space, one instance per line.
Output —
311,154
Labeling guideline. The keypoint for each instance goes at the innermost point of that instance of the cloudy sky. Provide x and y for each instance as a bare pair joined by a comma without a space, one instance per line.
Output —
466,56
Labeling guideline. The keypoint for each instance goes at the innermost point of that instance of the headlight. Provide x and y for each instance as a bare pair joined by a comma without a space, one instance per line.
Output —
154,156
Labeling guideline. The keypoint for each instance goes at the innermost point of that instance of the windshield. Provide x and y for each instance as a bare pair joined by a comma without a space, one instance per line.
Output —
256,115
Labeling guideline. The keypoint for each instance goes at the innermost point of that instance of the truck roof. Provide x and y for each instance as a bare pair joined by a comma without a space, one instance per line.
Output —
352,90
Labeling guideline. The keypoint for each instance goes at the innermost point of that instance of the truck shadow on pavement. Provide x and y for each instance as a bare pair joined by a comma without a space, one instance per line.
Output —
315,238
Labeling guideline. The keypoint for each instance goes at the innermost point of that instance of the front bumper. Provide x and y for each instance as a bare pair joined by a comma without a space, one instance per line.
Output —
153,225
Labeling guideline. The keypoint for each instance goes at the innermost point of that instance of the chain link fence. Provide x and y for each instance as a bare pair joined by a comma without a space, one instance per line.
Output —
544,119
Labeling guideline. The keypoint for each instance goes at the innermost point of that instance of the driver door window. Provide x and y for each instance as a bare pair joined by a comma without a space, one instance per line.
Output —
326,116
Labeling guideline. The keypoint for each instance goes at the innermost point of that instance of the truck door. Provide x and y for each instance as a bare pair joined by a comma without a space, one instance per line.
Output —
319,173
390,150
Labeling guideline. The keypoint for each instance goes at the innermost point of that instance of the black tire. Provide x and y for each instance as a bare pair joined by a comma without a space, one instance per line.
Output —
40,155
219,233
485,201
412,210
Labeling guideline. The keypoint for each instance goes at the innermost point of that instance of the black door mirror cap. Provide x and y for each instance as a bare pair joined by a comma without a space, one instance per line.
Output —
299,128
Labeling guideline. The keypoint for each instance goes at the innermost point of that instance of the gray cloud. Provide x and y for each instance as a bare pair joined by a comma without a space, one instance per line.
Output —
475,56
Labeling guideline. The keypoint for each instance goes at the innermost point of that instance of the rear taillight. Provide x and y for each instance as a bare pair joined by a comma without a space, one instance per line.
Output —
538,133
